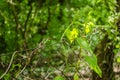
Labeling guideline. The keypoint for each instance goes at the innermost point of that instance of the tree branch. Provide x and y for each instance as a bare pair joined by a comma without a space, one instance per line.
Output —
11,61
25,26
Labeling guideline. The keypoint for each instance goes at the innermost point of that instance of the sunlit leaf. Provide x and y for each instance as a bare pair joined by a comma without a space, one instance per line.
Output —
58,78
118,59
90,58
76,76
93,64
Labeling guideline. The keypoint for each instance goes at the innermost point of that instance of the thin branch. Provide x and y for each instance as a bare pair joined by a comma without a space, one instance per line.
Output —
33,16
11,61
15,15
48,19
25,26
21,71
40,46
28,16
18,27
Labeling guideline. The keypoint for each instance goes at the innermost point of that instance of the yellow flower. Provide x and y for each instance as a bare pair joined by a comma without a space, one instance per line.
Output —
88,27
73,34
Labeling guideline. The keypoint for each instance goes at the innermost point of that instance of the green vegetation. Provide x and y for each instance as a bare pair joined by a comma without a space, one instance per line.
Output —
56,39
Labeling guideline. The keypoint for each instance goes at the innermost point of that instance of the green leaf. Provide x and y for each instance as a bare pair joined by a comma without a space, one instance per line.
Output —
90,58
76,76
83,43
118,59
93,64
7,76
67,32
58,78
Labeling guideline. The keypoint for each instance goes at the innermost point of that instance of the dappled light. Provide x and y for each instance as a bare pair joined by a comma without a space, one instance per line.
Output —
59,39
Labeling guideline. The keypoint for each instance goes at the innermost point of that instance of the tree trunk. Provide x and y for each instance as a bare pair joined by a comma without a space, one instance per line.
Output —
105,58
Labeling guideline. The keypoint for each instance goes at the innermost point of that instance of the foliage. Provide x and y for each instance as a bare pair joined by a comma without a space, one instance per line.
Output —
59,78
46,33
76,76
